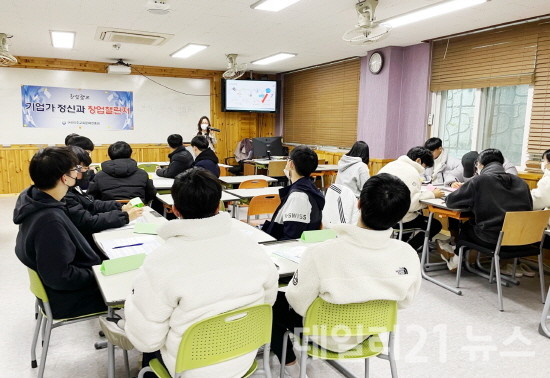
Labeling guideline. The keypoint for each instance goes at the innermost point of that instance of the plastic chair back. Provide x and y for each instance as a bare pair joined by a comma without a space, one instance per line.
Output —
356,319
224,337
251,184
149,168
265,204
275,168
36,286
524,227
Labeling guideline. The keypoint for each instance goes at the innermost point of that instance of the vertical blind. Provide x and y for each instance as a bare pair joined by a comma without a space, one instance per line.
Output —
320,105
512,55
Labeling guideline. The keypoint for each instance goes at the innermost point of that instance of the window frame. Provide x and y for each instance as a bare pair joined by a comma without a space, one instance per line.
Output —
479,115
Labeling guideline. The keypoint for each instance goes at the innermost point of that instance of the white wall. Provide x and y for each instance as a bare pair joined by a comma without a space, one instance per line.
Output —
158,112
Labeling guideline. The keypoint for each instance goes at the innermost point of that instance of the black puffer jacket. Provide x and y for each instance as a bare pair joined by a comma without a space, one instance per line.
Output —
208,160
489,196
180,160
122,179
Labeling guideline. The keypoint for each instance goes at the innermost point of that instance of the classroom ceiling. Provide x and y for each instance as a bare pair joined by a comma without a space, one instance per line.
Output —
310,28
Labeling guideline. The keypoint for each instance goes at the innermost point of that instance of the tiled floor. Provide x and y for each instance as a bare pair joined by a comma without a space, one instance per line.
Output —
440,334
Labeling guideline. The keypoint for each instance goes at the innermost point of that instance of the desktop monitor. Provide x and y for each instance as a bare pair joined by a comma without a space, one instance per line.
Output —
267,147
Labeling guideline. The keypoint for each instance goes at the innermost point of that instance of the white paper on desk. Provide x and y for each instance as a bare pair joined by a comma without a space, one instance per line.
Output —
292,253
149,244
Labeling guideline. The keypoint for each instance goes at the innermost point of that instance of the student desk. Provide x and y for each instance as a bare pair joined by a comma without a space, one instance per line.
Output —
249,193
161,183
236,180
253,165
167,199
437,206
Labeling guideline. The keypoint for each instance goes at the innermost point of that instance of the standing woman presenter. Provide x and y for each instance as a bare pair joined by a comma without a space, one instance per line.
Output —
204,128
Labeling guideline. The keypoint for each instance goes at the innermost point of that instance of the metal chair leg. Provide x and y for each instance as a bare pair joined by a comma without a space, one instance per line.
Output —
391,357
366,368
267,366
283,361
35,339
45,345
543,326
499,282
126,363
459,269
303,357
541,276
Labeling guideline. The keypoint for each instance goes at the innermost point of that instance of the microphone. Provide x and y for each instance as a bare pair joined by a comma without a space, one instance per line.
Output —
213,129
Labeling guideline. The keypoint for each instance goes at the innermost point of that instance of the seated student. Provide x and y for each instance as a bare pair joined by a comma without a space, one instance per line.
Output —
180,158
206,267
89,215
49,242
409,168
353,167
541,194
301,203
469,161
120,177
364,263
87,145
489,196
204,156
446,169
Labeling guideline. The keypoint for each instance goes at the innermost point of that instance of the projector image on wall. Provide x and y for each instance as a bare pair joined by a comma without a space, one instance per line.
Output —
118,69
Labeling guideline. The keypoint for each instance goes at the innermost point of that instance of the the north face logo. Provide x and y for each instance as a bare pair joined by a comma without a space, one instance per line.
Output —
295,278
402,271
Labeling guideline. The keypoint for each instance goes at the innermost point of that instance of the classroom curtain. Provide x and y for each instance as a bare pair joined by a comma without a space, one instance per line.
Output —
320,105
512,55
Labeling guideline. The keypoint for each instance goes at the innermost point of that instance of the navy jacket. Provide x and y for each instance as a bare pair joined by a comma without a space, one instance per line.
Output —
300,210
122,179
489,196
50,243
180,160
208,160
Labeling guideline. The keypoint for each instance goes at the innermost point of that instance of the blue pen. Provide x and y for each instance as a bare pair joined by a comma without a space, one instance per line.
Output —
129,245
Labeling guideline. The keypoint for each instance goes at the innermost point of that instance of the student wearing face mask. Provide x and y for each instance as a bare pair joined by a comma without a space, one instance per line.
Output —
353,168
301,203
541,194
89,215
204,157
204,130
49,243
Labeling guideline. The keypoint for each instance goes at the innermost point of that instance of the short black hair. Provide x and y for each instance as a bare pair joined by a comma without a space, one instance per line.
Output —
360,149
82,156
175,140
48,165
119,150
82,142
200,142
469,160
196,193
546,154
68,138
384,201
422,153
305,160
433,144
490,155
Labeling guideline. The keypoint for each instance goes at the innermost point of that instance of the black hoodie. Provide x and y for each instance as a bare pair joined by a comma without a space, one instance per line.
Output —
49,243
489,196
208,160
122,179
300,210
180,161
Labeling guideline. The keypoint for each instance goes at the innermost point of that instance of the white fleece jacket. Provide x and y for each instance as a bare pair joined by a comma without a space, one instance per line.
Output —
353,173
359,266
446,170
410,172
205,268
541,194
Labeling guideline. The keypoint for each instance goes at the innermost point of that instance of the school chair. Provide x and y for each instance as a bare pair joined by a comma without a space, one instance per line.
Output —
265,204
251,184
520,236
147,167
221,338
45,320
275,169
319,174
367,319
543,326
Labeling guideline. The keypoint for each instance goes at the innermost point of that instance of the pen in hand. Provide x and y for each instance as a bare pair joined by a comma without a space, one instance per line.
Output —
129,245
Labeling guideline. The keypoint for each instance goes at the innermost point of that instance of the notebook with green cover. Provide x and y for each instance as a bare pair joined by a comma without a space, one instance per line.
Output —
318,235
146,228
122,264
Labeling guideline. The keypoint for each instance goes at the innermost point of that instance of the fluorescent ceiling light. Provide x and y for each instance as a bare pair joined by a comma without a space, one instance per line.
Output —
272,5
188,50
273,58
431,11
62,40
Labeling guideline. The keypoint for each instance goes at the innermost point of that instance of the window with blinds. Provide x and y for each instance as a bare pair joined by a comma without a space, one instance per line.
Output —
320,105
507,56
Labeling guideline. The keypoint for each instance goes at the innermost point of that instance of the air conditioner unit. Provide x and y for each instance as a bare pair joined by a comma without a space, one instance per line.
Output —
131,36
118,69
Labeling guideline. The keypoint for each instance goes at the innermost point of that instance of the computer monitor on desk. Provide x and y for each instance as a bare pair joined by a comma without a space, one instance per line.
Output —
267,147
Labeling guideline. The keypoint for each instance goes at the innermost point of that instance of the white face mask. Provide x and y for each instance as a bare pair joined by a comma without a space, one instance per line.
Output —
287,173
543,165
204,126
